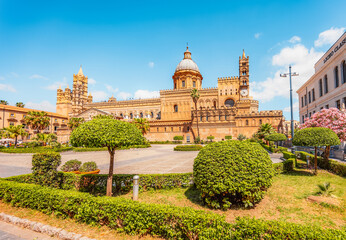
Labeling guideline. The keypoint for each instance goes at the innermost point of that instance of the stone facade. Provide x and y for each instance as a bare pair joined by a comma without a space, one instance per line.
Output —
225,110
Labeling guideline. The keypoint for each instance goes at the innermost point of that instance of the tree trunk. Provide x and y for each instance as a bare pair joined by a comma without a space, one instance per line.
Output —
315,160
15,141
197,119
326,153
110,174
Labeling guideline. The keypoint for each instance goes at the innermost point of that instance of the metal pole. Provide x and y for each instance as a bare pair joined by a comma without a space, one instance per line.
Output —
292,130
135,187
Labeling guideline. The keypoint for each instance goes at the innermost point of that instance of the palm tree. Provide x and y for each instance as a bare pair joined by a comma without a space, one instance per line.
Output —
46,138
265,130
3,102
195,96
20,104
142,124
37,120
14,131
75,122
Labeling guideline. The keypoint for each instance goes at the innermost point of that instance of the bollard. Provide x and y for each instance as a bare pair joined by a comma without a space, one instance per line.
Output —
135,187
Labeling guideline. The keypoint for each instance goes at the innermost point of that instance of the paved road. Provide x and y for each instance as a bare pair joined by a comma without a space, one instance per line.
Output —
157,159
12,232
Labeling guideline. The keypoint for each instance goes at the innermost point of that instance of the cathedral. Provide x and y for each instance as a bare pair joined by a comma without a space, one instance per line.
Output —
226,110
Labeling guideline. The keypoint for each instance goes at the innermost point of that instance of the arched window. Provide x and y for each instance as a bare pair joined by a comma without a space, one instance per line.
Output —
201,117
152,115
336,76
214,104
229,103
343,67
141,115
247,122
183,83
121,115
194,83
207,117
260,121
157,129
175,108
131,115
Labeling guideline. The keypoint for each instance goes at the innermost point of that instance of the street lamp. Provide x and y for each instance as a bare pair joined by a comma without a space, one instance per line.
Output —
290,75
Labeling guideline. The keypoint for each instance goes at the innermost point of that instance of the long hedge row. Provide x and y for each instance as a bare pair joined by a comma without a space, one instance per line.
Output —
97,183
188,148
170,222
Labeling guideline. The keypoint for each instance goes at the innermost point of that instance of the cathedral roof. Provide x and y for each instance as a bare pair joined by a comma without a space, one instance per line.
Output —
80,72
187,63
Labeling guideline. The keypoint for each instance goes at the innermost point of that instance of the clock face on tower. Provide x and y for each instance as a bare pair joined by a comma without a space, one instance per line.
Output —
243,92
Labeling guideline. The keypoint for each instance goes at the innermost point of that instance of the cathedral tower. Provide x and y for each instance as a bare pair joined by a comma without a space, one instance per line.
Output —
244,76
187,74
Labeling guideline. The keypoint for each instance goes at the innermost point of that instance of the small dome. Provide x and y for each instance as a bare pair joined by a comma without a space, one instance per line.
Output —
187,63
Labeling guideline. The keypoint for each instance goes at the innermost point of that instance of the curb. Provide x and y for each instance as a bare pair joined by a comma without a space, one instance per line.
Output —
42,228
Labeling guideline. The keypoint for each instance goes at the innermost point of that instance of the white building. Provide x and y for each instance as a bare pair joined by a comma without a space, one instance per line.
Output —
327,87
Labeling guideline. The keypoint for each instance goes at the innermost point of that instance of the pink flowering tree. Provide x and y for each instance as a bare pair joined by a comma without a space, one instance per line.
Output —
333,119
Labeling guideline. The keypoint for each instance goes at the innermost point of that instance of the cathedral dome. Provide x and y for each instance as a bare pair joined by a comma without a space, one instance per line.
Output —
187,63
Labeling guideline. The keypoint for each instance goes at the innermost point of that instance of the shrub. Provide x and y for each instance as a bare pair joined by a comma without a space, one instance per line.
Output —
88,167
241,137
232,172
188,148
288,165
288,155
44,168
210,137
178,138
278,167
197,140
169,222
282,149
71,165
228,137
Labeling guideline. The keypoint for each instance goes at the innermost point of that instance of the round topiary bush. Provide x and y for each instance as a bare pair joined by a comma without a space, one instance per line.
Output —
232,172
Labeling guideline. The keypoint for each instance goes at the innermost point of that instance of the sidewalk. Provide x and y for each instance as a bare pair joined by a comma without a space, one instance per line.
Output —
12,232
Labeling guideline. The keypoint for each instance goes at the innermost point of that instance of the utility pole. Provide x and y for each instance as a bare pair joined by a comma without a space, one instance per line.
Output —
290,74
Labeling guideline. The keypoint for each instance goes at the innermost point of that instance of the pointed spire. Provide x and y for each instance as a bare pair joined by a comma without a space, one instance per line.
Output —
59,86
67,86
187,53
244,54
80,72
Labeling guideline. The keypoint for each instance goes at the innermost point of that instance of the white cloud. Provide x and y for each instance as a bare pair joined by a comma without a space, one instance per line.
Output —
295,39
57,84
146,94
91,81
7,88
295,107
99,96
111,89
151,64
257,35
36,76
302,60
44,106
329,36
123,95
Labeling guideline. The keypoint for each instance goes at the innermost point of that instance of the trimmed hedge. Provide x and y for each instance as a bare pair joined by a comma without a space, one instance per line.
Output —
336,167
288,155
288,165
164,142
228,137
96,183
167,221
188,148
278,168
86,149
34,149
45,168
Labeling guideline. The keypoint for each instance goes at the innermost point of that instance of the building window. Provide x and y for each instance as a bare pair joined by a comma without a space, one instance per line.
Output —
194,83
121,115
11,123
303,119
229,103
321,89
175,85
141,115
219,117
207,117
201,118
175,108
183,83
171,129
309,114
337,104
321,108
55,128
302,102
260,121
325,84
131,115
305,100
179,129
214,104
12,114
247,122
188,128
309,97
343,67
157,129
313,94
336,76
344,102
165,129
327,106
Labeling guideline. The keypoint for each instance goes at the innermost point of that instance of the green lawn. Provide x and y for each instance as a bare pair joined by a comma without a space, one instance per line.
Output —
285,200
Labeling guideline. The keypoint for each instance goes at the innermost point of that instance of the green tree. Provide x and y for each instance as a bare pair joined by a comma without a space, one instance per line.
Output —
241,137
108,133
46,138
265,130
37,120
14,131
142,124
20,104
195,96
3,102
75,122
276,137
101,116
315,137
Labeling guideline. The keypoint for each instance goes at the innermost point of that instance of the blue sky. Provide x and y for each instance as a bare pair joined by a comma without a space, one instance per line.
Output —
131,48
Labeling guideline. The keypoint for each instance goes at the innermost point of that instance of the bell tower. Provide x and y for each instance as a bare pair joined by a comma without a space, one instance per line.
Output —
244,76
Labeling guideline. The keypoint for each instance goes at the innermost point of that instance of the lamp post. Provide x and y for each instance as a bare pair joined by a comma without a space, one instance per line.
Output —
290,74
